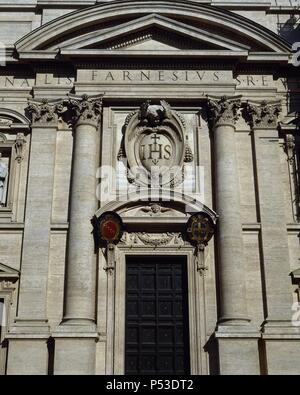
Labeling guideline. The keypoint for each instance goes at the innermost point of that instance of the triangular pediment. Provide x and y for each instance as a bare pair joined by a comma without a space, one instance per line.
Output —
142,29
7,272
153,32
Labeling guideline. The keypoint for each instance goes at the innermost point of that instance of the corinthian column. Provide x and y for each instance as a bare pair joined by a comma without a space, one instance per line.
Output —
75,338
223,115
35,256
80,298
263,119
28,337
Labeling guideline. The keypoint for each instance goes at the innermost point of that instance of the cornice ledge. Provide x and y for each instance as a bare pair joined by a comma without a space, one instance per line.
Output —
65,3
237,5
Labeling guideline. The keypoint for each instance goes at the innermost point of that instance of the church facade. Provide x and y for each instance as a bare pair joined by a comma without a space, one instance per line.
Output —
149,187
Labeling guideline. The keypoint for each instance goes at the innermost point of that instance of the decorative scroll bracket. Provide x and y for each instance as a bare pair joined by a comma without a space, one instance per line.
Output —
111,258
200,259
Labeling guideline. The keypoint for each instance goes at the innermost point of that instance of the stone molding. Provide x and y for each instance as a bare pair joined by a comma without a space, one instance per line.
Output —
85,110
263,115
223,111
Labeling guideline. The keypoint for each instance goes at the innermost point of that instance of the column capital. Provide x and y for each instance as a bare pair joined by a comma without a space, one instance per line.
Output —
85,110
44,113
262,115
223,111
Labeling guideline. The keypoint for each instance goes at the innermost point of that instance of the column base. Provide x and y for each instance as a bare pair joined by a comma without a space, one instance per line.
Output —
279,328
282,354
28,355
76,326
238,349
75,347
238,356
75,354
237,328
30,326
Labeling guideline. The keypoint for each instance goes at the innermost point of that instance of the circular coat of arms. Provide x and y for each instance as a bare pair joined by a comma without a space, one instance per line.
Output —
200,229
110,227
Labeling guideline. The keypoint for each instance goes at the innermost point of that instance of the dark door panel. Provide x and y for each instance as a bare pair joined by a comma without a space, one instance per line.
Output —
157,325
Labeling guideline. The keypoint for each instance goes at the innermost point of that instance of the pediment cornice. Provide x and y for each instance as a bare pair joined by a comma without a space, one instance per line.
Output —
101,31
8,273
138,26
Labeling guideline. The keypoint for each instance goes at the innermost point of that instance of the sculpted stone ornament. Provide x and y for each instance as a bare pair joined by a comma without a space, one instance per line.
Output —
19,145
154,144
85,109
44,111
154,240
290,145
223,111
5,122
3,181
154,115
263,115
155,210
189,157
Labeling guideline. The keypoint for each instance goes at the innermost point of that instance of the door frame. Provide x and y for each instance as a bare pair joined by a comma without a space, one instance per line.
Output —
117,301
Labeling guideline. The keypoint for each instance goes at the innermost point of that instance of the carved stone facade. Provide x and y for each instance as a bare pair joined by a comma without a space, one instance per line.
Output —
155,111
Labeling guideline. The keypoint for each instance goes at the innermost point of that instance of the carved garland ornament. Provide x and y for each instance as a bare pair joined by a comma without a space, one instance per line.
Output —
153,239
155,145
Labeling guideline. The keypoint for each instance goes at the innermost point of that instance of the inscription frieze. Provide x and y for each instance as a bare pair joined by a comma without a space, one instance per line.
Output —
140,76
196,77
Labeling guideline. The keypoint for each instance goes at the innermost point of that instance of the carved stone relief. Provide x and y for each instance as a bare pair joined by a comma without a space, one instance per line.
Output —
153,210
263,115
85,110
44,112
155,145
7,286
5,122
153,239
223,111
19,146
